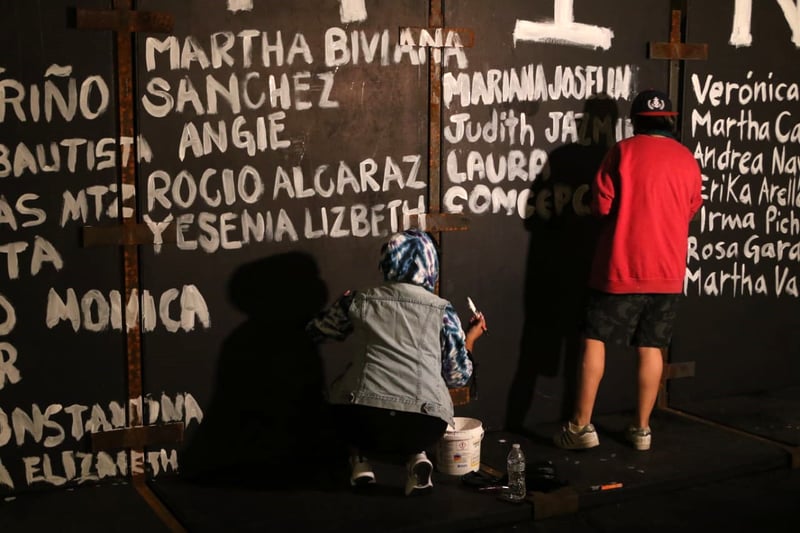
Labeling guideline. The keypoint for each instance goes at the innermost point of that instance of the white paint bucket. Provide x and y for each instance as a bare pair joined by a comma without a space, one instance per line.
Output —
459,450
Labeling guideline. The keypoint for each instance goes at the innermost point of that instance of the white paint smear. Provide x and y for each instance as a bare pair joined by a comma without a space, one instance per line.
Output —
791,11
240,5
743,15
59,71
574,34
563,29
350,10
353,10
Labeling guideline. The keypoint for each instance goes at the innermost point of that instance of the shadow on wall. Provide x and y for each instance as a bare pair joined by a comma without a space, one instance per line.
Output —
266,425
562,234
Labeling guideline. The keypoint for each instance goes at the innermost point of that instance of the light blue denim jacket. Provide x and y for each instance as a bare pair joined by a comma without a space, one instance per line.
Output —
397,354
409,343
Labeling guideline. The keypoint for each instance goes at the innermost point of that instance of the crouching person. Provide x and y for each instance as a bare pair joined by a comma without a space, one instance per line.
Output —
408,349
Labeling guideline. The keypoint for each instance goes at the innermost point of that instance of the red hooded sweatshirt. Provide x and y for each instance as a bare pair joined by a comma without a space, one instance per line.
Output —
647,190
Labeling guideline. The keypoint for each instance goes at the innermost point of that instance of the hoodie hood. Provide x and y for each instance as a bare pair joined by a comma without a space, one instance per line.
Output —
411,257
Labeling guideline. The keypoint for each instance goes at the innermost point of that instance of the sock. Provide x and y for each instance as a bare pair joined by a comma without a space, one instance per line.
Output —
575,428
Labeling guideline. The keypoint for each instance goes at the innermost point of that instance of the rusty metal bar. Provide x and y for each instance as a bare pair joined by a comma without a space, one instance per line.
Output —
671,371
137,438
124,20
434,220
439,222
158,506
435,19
120,21
684,51
676,51
130,252
466,36
679,370
127,234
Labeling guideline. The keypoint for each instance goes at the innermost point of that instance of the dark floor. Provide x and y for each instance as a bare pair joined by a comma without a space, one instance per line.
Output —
765,502
736,469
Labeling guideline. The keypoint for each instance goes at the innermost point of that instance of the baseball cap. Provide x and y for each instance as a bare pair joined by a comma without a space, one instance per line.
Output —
652,103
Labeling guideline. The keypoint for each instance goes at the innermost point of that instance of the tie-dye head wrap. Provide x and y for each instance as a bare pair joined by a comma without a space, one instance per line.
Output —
411,257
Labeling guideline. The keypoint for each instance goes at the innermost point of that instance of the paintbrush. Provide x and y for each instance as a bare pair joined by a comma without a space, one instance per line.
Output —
475,311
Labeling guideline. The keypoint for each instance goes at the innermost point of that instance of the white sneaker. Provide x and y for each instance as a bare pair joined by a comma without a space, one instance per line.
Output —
361,474
639,437
572,437
419,470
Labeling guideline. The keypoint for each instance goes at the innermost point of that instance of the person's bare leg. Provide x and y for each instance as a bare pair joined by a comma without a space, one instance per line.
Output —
651,365
591,373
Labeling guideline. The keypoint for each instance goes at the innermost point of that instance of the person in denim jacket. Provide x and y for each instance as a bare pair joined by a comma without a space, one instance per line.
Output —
409,348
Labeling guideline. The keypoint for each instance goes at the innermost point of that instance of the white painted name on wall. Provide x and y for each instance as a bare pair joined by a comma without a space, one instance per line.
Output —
55,425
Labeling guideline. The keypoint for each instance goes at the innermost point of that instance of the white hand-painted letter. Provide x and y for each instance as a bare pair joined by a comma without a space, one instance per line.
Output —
742,16
7,325
240,5
352,11
5,478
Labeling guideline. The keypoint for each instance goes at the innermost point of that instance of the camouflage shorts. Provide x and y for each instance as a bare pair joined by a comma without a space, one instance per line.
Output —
643,319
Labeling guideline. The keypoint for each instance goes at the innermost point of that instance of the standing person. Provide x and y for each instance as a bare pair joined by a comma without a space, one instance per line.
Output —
645,193
409,348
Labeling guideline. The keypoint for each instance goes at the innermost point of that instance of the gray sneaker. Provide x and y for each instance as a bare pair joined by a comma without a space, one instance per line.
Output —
419,469
639,437
572,437
361,474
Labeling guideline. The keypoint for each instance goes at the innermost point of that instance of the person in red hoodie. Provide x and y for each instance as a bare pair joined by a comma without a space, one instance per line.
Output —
646,191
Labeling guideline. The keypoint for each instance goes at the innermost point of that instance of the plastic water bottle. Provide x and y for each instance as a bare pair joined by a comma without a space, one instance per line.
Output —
515,464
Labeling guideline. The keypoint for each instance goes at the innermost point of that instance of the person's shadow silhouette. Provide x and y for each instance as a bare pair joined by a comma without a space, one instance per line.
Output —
562,233
267,425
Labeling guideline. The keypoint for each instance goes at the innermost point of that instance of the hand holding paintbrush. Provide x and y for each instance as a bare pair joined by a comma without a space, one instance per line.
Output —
477,321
